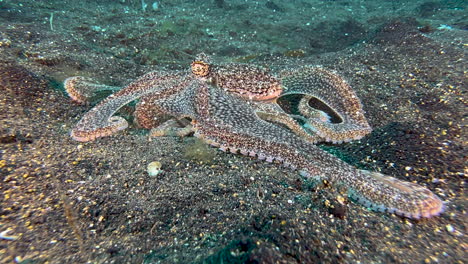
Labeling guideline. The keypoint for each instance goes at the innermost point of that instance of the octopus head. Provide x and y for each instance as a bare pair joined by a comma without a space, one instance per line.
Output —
201,67
247,81
244,80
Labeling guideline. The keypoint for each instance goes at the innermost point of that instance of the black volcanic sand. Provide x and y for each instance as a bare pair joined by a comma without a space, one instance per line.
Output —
68,202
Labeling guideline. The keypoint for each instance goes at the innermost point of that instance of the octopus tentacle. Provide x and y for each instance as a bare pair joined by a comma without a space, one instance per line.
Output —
319,122
395,196
100,122
274,113
331,90
241,131
81,89
148,114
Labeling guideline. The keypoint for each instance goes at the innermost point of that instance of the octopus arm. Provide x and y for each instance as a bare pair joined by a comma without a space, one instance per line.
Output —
148,113
231,124
275,114
81,89
332,91
100,122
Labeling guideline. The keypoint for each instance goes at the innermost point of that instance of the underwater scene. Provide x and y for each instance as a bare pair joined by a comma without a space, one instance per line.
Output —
233,131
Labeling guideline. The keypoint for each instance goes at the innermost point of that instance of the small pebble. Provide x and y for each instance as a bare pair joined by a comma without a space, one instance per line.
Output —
154,168
450,228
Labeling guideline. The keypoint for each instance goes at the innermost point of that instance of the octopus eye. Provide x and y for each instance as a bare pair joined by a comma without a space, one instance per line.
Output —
200,68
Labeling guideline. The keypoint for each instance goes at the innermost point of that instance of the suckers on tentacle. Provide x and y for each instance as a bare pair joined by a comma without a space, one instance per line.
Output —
244,132
374,190
233,107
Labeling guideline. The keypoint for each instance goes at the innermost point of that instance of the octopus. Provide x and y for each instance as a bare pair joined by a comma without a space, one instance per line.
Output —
239,108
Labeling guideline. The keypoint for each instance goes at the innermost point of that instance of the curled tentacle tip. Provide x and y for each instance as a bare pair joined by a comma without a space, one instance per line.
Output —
433,207
73,87
115,123
388,194
427,205
434,210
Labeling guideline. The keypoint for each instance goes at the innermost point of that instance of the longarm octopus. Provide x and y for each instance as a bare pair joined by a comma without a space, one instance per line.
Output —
236,107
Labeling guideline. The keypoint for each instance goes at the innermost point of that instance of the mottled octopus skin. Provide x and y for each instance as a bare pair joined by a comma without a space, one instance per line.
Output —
233,107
